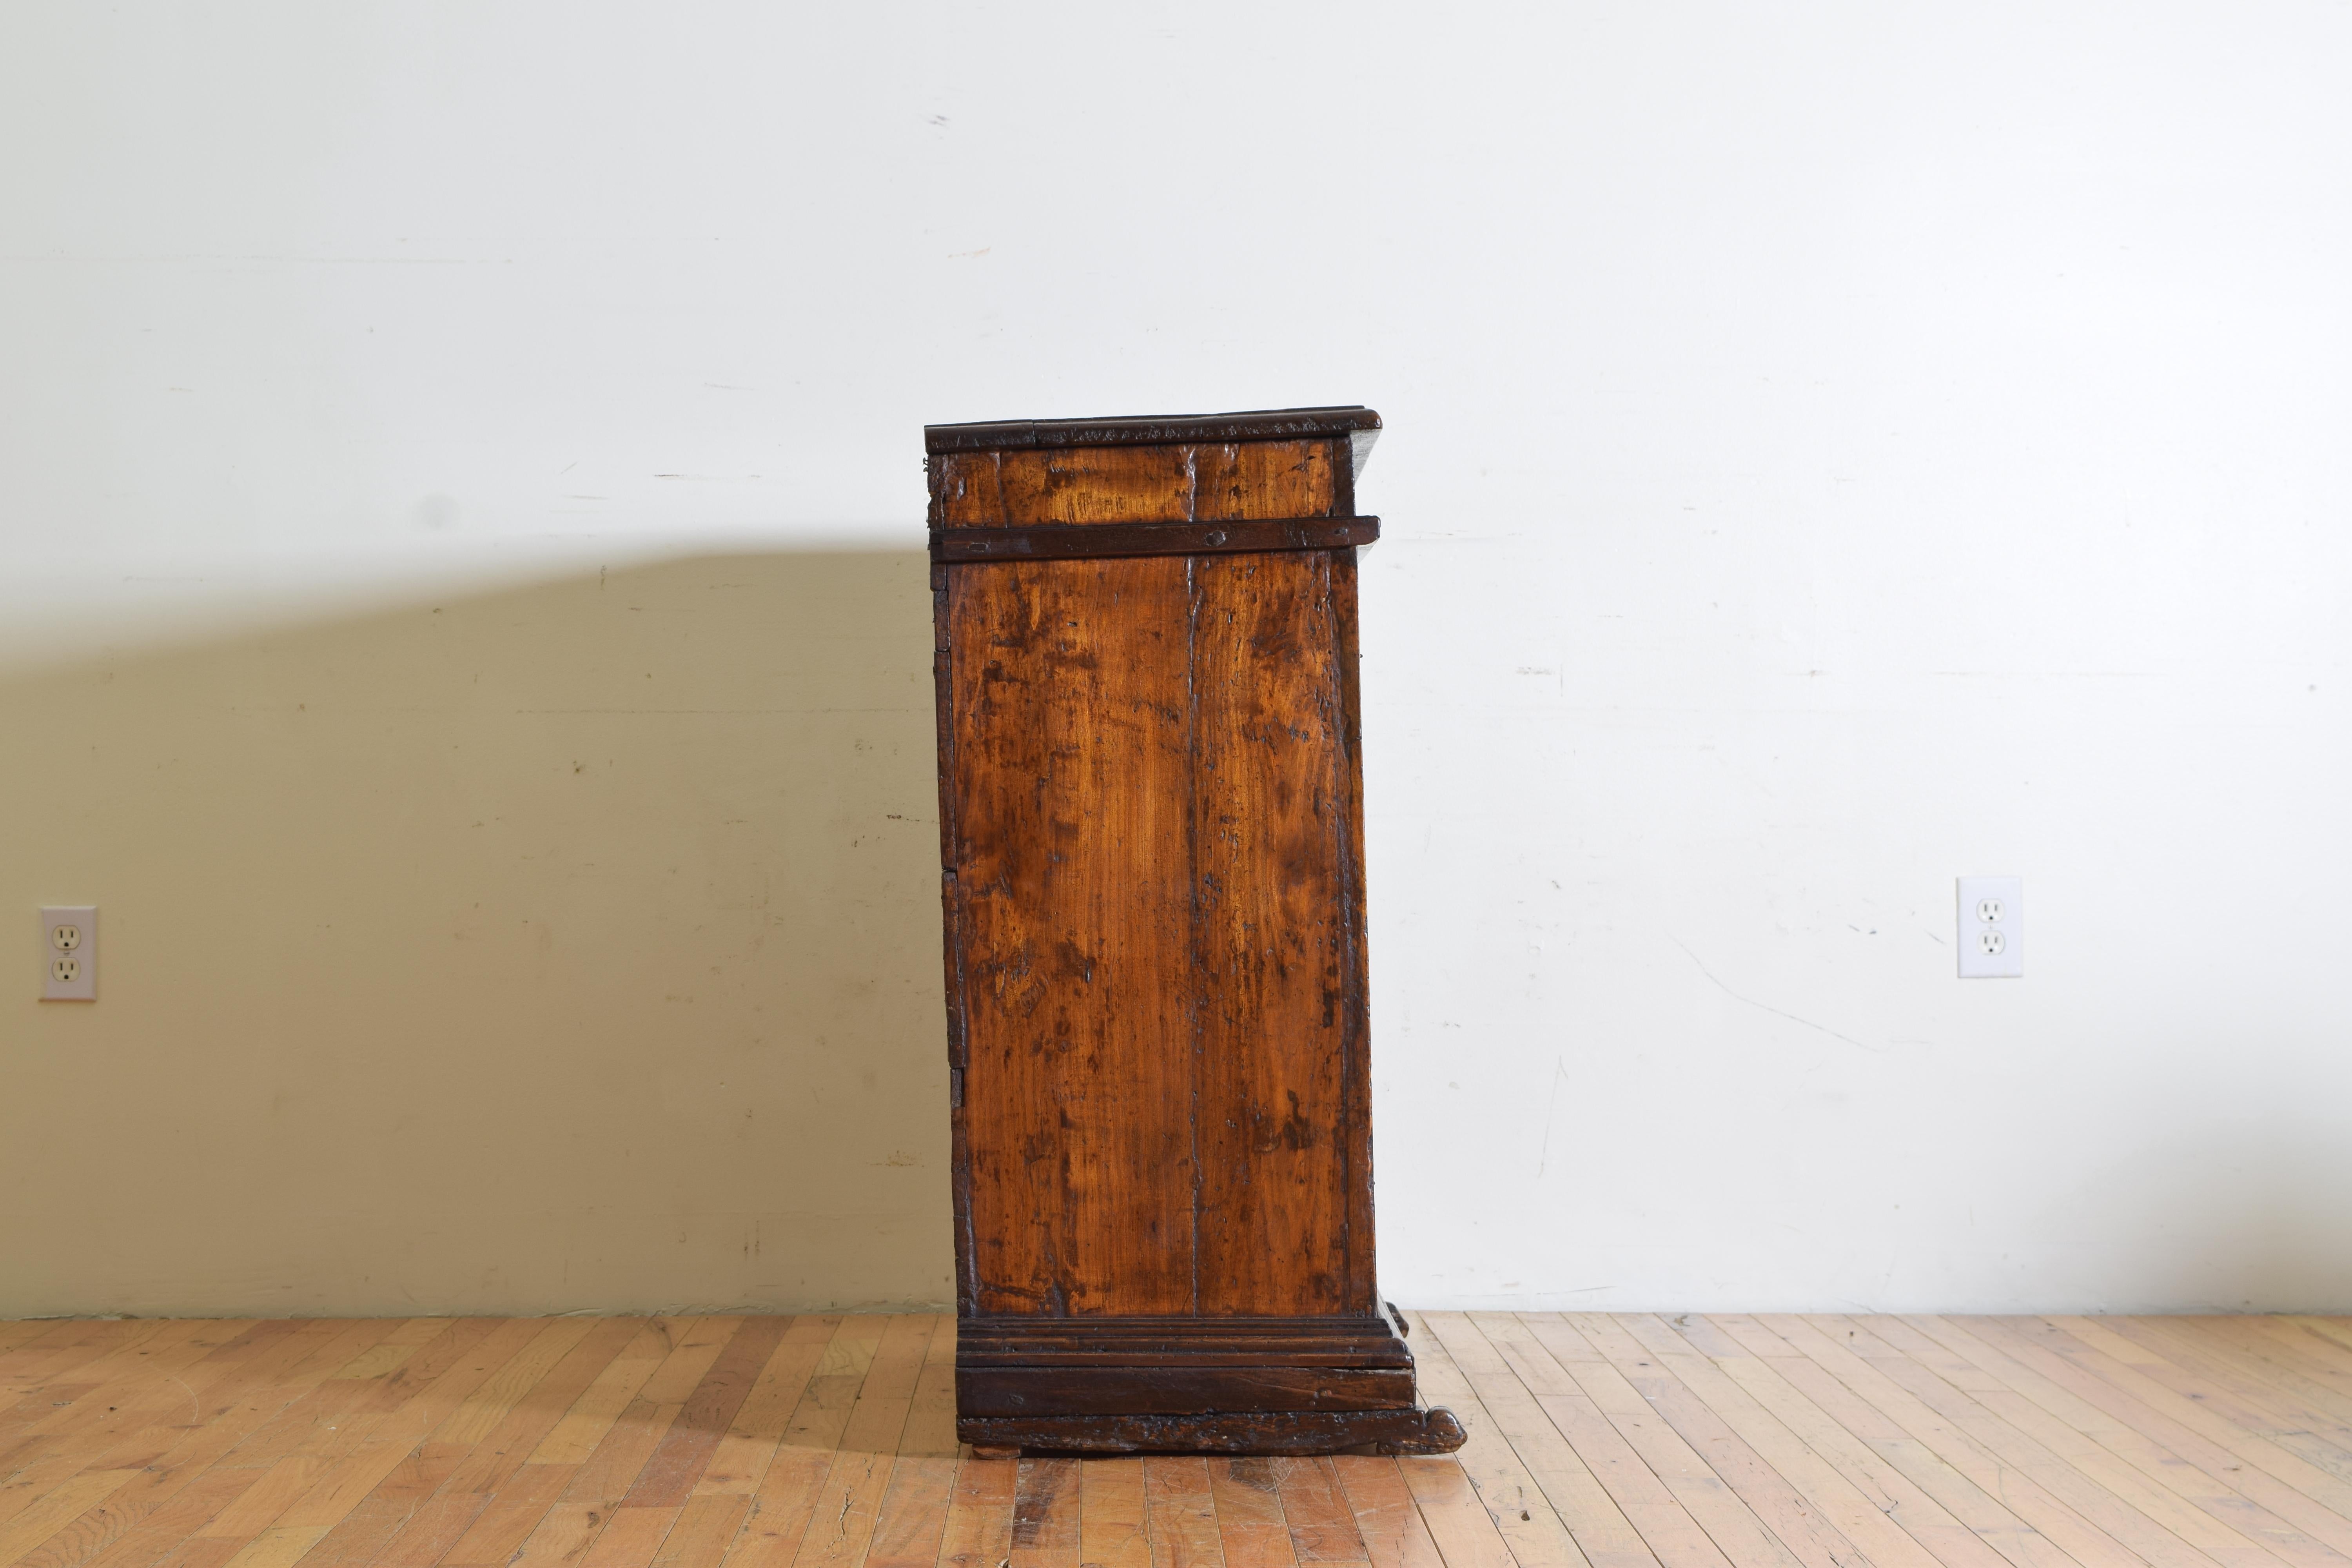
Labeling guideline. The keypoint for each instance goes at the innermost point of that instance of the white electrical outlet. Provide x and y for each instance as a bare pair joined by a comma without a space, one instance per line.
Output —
1992,928
69,954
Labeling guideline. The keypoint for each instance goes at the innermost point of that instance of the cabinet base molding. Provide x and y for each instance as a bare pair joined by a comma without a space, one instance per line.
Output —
1085,1368
1413,1431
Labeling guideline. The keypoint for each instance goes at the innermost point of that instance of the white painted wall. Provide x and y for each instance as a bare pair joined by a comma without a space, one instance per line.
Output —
1833,448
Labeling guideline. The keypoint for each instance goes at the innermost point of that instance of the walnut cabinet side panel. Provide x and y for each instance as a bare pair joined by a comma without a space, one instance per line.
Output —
1155,898
1151,833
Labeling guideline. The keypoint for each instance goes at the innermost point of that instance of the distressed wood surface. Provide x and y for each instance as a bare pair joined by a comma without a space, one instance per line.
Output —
1073,770
1155,975
1152,879
1101,487
1156,430
1618,1441
1333,1341
1277,975
1063,540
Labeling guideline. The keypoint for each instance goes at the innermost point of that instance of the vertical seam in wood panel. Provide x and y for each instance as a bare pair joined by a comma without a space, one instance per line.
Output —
951,897
1062,1284
1349,967
1355,1056
1198,998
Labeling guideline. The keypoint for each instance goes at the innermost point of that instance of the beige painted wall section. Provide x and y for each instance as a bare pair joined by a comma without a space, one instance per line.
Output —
568,947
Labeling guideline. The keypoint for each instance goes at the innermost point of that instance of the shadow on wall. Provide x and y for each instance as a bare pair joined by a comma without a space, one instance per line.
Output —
569,948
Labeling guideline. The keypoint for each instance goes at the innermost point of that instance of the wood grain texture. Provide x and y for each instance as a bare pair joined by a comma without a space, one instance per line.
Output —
1069,541
1181,1514
1152,877
1251,1524
1073,775
670,1476
1394,1431
1148,1340
1111,486
1621,1441
1178,1390
1277,978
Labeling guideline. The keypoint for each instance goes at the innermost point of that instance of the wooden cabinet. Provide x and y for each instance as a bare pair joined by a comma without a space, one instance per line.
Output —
1150,810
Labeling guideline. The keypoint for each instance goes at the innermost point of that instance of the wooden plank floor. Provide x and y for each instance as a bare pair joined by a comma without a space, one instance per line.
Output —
1621,1441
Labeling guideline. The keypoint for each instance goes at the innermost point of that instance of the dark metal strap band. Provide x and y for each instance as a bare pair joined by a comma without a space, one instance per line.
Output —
1068,540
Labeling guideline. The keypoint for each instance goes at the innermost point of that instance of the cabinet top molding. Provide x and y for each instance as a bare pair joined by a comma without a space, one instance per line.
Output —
1152,430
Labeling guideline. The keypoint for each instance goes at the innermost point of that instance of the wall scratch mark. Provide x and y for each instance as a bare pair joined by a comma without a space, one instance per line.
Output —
1559,1071
1776,1012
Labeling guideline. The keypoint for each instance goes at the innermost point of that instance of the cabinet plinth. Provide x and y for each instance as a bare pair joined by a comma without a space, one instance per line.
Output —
1151,808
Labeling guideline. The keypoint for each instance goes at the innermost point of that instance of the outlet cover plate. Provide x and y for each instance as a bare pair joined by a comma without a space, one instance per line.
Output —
70,952
1992,928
